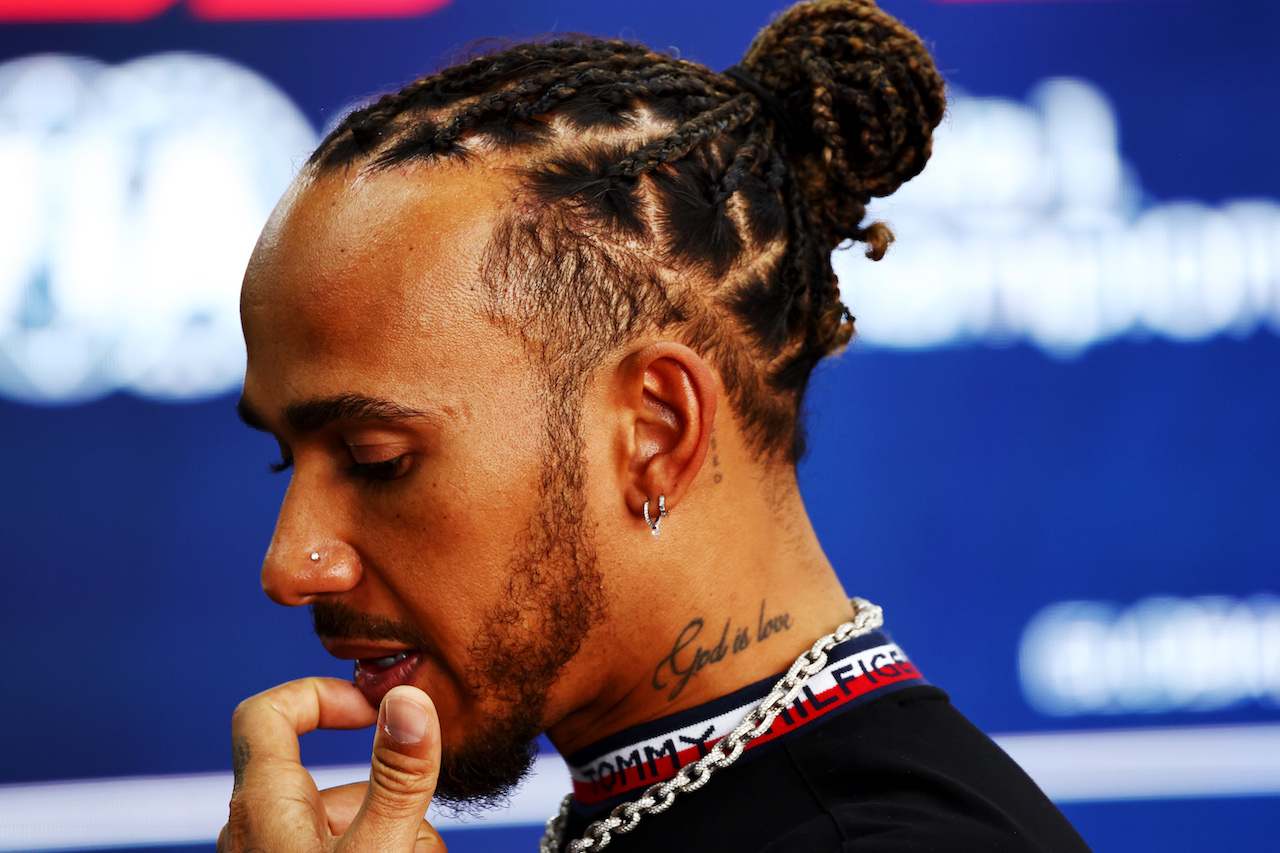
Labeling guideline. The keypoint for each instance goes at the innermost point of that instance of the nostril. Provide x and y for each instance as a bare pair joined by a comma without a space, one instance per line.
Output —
295,573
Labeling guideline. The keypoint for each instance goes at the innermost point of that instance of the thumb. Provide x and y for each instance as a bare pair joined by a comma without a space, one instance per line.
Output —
405,767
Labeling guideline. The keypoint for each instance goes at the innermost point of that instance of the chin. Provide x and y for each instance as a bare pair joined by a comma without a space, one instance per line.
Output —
482,770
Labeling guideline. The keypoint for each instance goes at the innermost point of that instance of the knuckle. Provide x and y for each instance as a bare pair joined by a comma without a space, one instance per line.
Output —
243,710
276,698
403,781
284,700
245,713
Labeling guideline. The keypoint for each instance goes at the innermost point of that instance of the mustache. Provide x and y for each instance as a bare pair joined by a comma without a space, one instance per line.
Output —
335,621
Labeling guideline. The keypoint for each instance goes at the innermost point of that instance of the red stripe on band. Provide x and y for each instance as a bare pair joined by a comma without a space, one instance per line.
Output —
625,770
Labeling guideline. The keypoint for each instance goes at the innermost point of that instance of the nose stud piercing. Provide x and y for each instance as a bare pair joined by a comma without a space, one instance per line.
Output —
662,513
315,556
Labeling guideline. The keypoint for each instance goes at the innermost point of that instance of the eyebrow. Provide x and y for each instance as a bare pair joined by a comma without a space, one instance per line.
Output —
311,415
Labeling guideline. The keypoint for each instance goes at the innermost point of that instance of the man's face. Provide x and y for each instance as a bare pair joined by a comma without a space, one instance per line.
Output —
435,530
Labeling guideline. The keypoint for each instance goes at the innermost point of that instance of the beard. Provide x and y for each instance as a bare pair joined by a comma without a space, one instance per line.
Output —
554,596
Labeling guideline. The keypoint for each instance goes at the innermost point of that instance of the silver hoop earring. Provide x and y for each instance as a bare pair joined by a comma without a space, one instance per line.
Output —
662,513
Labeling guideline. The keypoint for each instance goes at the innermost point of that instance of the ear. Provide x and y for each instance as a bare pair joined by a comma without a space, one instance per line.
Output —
669,395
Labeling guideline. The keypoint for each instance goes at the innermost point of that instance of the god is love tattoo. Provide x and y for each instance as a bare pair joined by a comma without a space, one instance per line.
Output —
688,657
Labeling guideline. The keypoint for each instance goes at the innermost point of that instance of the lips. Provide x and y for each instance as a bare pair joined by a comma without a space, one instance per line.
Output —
375,676
378,668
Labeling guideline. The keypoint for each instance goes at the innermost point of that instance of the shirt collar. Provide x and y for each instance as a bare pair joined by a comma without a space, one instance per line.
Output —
857,671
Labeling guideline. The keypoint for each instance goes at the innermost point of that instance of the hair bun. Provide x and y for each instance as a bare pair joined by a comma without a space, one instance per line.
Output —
866,88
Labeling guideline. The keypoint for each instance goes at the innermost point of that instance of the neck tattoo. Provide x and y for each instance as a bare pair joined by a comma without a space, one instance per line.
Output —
658,797
688,658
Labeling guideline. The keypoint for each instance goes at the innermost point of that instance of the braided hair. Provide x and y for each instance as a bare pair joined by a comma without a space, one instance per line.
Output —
654,193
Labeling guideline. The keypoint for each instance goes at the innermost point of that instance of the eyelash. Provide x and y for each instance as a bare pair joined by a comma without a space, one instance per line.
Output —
381,472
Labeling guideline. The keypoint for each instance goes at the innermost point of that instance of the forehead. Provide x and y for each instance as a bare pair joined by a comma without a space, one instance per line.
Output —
374,285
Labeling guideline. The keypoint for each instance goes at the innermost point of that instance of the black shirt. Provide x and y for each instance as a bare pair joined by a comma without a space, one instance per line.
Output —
870,759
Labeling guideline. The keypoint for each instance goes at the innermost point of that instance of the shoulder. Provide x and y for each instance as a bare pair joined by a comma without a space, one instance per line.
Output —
903,773
909,772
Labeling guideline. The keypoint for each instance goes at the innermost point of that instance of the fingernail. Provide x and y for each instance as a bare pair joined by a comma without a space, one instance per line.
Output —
406,720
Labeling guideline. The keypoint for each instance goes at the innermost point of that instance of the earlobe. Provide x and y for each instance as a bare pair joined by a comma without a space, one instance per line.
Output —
671,398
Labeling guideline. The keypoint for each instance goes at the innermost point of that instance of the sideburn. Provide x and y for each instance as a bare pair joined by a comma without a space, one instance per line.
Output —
555,597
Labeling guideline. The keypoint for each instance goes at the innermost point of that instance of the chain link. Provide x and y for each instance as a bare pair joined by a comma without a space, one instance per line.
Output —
658,798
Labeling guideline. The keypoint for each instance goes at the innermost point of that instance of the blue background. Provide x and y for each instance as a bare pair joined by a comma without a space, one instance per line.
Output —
962,488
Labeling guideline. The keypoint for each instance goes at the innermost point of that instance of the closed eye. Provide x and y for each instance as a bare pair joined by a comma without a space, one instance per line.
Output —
383,471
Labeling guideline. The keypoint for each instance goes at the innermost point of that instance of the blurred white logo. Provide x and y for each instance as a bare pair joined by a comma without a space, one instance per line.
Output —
1026,225
132,199
1162,654
133,196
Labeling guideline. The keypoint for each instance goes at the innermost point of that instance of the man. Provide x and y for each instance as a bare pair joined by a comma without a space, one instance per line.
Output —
533,336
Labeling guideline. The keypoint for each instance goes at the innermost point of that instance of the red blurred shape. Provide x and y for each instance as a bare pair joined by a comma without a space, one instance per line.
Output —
63,11
87,11
281,10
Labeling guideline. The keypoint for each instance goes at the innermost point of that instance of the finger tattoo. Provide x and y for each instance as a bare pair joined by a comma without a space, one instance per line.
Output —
239,759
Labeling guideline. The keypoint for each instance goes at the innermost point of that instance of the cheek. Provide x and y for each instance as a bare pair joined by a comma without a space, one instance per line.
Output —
449,543
489,482
448,537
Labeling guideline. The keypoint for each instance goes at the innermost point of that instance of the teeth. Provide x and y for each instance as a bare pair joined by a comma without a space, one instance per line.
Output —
391,660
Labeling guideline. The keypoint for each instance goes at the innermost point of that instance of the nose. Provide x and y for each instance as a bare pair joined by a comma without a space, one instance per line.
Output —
308,557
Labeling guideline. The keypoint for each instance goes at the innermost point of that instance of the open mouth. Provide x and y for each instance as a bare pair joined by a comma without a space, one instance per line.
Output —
379,665
375,676
382,663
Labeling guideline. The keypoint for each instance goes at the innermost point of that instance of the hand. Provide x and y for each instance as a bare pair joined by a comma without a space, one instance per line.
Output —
275,807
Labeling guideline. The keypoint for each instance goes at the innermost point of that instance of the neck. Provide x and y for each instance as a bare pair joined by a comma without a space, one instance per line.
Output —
734,591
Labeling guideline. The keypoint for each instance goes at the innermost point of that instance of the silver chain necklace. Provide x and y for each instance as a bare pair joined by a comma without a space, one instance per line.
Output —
658,797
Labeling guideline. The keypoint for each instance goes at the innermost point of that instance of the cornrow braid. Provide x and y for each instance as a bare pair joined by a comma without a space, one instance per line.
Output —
707,126
662,195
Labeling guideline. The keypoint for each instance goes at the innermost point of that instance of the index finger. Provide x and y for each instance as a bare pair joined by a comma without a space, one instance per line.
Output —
274,803
270,722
